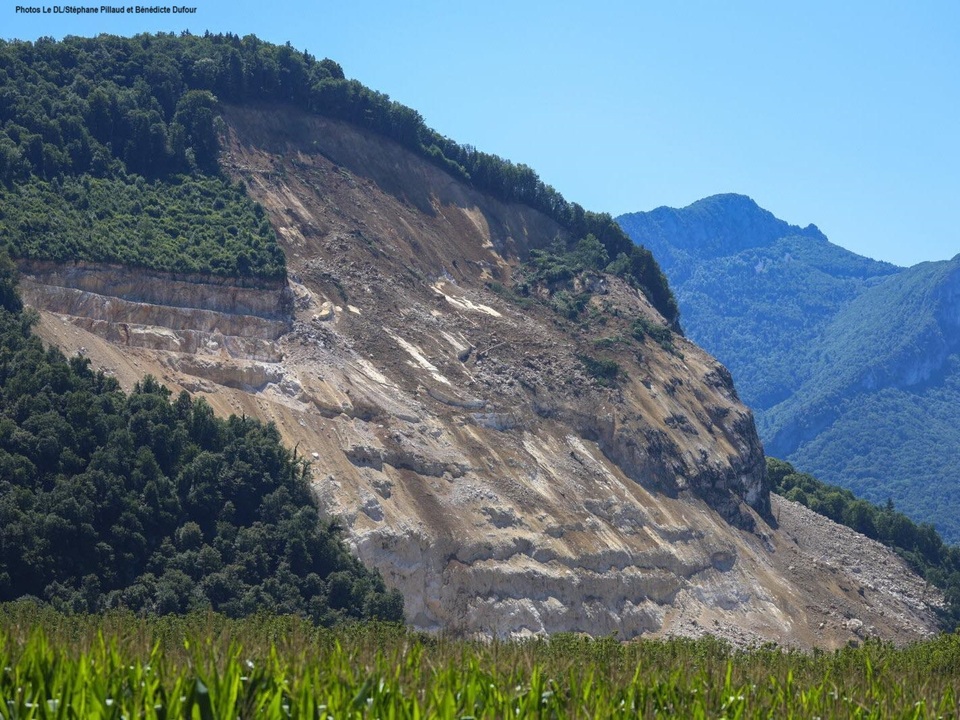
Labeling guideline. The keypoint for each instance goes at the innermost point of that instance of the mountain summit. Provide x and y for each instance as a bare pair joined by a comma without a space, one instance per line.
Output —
717,226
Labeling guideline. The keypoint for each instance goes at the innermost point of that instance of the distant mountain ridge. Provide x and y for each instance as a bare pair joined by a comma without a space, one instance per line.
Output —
880,410
849,363
898,334
713,227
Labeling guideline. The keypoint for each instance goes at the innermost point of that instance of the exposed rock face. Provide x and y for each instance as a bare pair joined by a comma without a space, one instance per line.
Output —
184,314
456,430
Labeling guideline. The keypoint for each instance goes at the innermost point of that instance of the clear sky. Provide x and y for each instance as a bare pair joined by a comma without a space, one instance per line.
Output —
842,114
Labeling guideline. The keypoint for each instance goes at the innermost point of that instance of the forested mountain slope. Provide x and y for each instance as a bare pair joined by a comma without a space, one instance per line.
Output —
880,411
849,364
109,153
488,381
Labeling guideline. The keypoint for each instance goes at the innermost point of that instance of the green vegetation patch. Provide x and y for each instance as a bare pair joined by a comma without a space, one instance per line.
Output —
568,277
610,342
606,372
206,666
188,224
560,268
643,328
109,153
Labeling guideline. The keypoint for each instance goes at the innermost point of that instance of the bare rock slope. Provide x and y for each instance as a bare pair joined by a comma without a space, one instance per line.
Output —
454,428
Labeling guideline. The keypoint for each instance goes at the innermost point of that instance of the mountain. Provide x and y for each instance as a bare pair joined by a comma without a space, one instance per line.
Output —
879,412
487,381
850,364
751,288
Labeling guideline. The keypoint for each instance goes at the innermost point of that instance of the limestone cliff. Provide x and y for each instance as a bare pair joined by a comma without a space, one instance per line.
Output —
455,428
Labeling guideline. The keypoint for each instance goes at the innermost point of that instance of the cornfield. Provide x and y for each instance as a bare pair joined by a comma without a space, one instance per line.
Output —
206,666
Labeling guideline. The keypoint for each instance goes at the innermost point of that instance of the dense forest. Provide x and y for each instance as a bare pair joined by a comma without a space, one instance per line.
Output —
136,501
920,545
118,109
196,225
879,411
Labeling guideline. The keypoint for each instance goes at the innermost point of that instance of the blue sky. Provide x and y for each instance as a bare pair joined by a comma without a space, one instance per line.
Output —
846,115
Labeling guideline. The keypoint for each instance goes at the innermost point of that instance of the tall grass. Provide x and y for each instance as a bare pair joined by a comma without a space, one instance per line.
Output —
207,666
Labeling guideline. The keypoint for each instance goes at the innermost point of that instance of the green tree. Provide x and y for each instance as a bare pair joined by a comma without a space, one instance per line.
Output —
9,298
153,503
196,111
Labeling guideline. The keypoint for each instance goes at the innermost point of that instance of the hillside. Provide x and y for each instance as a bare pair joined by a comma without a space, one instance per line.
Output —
109,152
110,499
850,364
920,545
490,387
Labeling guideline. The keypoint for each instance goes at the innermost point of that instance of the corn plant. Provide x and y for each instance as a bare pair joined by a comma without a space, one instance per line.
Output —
206,666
